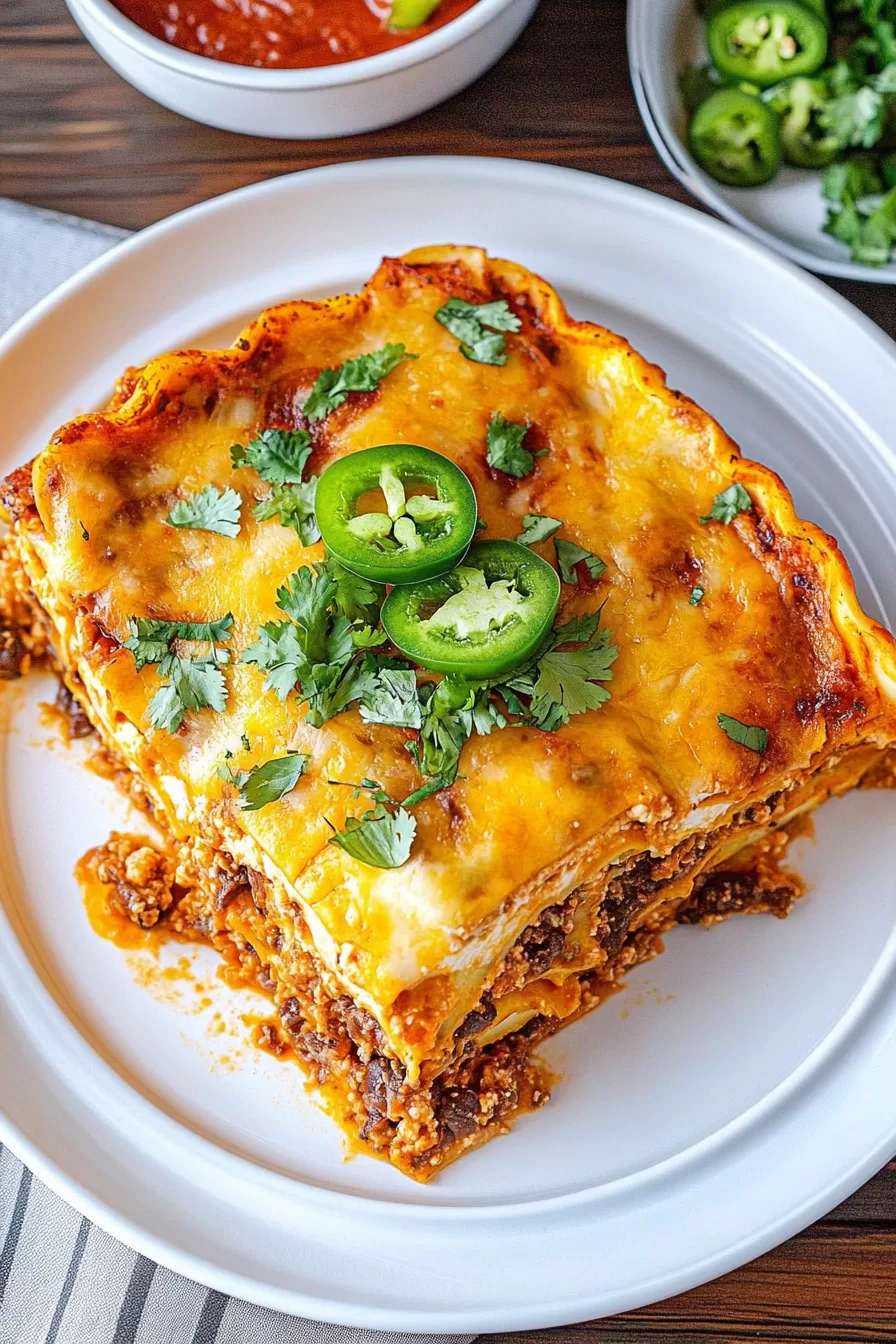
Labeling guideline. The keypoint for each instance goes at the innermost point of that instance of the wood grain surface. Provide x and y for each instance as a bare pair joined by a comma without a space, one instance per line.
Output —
75,137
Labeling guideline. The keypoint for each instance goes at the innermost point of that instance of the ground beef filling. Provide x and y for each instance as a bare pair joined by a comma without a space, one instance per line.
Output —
340,1045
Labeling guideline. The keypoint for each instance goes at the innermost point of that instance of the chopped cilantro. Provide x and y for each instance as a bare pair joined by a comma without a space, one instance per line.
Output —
859,215
357,599
447,710
293,506
392,698
564,682
84,533
479,327
209,511
728,504
569,555
269,782
355,375
538,527
191,683
379,838
505,451
315,651
278,455
365,637
697,595
745,734
856,117
246,744
151,639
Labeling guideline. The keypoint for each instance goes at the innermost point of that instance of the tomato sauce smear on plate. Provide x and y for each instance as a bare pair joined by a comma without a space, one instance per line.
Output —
282,34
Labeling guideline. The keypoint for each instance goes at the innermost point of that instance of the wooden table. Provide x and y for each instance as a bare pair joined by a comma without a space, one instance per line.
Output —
75,137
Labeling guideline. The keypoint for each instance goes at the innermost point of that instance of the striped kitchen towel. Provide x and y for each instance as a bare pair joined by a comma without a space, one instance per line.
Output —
62,1279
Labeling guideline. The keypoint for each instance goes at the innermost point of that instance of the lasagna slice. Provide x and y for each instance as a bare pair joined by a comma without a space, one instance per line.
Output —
430,874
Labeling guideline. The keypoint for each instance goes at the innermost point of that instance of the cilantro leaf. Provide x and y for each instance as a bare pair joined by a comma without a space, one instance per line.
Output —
856,117
151,639
447,710
269,782
567,681
505,451
305,597
728,504
330,688
851,178
392,698
191,685
208,511
479,327
314,650
745,734
538,527
365,637
357,599
292,506
697,595
356,375
279,651
278,455
569,555
379,838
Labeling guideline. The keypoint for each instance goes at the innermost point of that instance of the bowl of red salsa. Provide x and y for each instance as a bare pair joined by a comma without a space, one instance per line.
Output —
300,69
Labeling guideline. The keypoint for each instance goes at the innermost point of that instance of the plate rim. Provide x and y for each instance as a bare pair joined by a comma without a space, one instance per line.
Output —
681,165
386,1318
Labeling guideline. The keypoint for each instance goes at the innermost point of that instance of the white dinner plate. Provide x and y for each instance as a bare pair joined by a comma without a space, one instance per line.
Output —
788,212
738,1088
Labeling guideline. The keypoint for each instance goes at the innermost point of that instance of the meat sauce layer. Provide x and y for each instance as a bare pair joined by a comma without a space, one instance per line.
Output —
281,34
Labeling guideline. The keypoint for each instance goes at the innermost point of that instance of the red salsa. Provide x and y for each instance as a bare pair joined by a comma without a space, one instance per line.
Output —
281,34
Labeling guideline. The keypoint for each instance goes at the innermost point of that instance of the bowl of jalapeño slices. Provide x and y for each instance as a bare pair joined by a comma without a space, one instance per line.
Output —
781,115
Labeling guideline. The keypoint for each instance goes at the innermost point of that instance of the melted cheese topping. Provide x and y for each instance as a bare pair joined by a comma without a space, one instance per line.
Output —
630,467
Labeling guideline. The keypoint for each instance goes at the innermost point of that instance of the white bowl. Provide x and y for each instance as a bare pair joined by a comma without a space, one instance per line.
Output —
321,102
787,213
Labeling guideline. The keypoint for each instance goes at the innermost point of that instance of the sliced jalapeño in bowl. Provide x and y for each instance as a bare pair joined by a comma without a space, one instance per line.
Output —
397,513
482,619
765,41
735,138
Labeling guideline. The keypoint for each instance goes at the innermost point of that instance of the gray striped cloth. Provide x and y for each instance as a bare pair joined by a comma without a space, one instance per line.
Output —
63,1280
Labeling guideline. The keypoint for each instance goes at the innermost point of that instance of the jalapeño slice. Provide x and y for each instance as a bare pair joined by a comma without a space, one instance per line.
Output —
482,619
735,138
397,513
765,41
799,103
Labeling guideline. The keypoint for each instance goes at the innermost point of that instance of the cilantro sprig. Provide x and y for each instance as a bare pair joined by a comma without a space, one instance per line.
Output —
504,447
363,374
209,511
317,651
569,555
480,328
862,211
187,683
280,456
381,838
728,504
538,527
270,782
